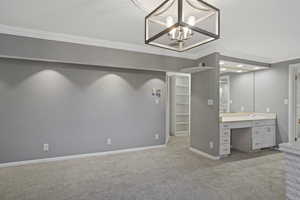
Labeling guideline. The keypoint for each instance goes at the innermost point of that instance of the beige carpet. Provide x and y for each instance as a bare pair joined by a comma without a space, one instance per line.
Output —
171,173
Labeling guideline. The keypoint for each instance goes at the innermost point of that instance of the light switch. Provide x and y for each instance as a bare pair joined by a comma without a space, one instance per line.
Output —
242,108
268,110
286,101
46,147
211,144
108,141
210,102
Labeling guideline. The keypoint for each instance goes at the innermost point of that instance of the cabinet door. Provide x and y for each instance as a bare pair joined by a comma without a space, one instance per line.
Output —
269,136
257,138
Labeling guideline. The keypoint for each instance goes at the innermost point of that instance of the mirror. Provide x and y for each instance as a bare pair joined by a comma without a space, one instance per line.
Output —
237,92
237,87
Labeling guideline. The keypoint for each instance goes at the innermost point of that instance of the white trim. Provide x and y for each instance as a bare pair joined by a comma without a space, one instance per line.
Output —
204,154
39,34
62,158
167,103
291,117
292,102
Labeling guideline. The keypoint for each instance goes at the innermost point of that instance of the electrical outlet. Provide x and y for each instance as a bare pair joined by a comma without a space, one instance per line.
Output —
46,147
268,110
156,136
157,101
230,101
286,101
108,141
211,144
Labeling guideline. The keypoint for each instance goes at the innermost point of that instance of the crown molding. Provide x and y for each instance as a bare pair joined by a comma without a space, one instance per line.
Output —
225,52
39,34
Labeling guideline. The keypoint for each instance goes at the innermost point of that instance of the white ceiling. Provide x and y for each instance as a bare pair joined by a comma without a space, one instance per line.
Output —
263,30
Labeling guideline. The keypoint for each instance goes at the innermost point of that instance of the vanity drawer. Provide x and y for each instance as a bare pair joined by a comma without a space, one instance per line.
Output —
240,124
225,133
225,149
257,145
264,122
263,137
225,140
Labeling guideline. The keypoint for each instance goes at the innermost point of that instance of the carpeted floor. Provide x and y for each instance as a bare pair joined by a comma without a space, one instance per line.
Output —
171,173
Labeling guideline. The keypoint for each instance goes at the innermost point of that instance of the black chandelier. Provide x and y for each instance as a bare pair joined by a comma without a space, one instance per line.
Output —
180,25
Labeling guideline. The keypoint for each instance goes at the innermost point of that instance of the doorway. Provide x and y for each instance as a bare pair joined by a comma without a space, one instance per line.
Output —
178,104
294,103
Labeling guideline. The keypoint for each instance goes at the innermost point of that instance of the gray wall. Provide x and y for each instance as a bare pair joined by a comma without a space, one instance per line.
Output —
271,88
242,92
64,52
75,109
204,118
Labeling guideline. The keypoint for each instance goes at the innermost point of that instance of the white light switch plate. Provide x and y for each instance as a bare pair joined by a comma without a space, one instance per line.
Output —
268,110
46,147
242,108
211,145
210,102
286,101
108,141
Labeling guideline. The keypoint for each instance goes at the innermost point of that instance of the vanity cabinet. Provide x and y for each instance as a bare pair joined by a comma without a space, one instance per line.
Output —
247,136
224,141
263,135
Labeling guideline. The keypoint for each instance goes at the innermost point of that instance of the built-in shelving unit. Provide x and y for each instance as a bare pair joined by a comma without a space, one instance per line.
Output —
180,105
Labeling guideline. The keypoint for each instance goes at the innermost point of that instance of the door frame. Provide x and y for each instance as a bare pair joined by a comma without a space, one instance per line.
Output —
292,102
168,101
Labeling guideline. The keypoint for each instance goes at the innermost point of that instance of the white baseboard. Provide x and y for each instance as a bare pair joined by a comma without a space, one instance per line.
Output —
204,154
61,158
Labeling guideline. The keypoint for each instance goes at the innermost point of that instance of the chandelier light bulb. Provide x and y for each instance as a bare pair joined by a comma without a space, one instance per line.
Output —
169,21
191,20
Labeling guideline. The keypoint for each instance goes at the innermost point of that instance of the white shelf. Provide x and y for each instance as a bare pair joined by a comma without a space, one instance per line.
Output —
182,85
182,123
182,103
187,114
182,132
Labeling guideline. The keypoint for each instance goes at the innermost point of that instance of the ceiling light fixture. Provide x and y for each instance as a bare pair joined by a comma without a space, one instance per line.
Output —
240,65
180,25
222,63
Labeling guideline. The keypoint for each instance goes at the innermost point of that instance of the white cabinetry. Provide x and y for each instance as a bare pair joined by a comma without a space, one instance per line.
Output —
263,134
224,141
247,135
180,105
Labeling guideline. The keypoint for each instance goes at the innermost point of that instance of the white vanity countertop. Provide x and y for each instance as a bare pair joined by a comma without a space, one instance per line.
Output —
236,117
293,148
